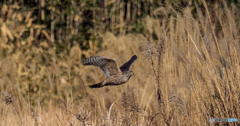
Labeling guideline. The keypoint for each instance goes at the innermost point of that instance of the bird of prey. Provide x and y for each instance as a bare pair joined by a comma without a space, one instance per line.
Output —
113,74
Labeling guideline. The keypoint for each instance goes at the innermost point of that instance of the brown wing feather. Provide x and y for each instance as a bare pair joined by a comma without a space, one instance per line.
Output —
98,85
108,66
112,67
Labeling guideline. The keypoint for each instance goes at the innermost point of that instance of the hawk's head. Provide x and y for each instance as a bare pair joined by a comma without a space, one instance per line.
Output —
128,73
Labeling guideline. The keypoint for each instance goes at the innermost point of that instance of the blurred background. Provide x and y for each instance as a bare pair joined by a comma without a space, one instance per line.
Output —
188,67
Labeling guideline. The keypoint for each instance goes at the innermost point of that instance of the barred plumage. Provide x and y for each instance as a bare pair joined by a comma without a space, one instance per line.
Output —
114,74
95,60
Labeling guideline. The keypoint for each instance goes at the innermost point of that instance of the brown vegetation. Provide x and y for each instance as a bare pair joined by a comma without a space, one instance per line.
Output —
188,70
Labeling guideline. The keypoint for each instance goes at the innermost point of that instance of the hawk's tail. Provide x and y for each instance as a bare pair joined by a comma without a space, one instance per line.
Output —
98,85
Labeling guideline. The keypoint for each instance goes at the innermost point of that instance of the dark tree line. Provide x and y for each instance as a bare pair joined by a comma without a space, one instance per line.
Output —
81,22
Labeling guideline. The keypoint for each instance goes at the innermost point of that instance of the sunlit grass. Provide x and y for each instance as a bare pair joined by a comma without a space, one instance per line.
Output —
186,74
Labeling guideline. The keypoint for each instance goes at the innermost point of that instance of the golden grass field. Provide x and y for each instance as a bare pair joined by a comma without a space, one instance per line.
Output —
185,75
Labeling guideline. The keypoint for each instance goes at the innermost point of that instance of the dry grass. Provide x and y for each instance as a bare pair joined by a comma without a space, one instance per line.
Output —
189,73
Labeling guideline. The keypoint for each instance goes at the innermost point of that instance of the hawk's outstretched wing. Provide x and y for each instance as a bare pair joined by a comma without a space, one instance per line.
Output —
98,85
126,66
108,66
